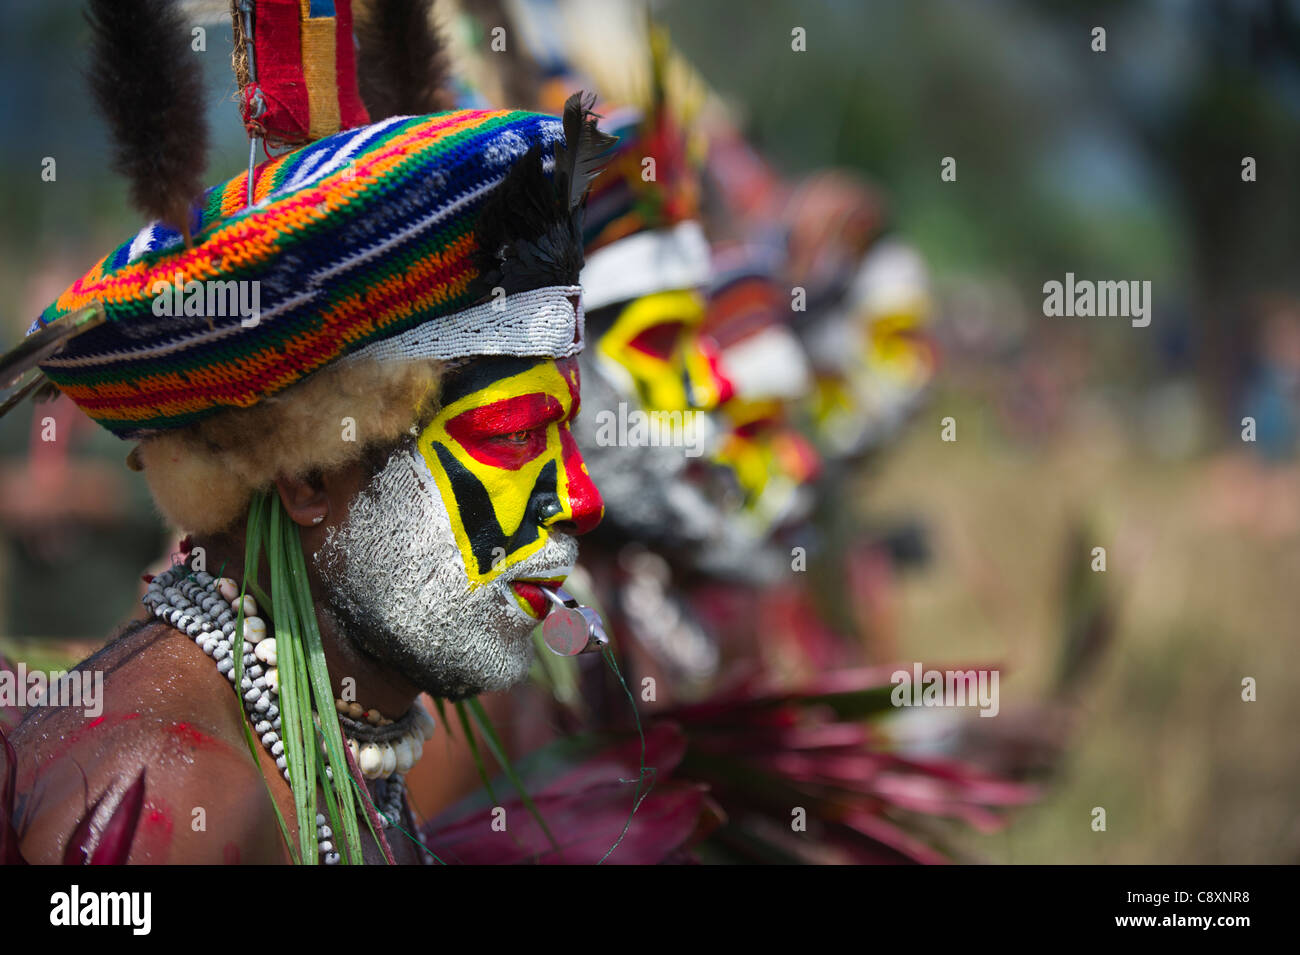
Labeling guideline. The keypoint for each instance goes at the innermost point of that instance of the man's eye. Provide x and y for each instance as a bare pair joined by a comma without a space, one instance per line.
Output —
516,437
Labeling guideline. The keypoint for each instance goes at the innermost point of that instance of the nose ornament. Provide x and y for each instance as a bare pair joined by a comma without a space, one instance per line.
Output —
570,628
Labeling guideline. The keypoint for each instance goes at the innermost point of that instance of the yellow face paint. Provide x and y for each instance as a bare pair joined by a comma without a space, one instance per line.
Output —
898,347
743,450
656,341
831,399
505,463
767,456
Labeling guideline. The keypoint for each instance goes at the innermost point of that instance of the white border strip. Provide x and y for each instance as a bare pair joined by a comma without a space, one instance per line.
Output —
649,262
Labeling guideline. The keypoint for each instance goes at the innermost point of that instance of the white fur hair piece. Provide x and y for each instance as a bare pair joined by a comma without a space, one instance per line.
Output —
203,476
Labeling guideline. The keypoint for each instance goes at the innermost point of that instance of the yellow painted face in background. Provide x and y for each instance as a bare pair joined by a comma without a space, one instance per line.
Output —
505,462
770,459
898,346
656,340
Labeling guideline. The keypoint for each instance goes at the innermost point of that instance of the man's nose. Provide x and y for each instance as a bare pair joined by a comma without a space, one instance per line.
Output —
579,507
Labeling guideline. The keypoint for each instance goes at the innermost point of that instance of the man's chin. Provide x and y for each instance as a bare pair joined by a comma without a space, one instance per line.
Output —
457,684
500,666
453,670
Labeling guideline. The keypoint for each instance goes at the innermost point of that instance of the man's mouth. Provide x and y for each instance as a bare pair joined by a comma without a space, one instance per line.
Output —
532,597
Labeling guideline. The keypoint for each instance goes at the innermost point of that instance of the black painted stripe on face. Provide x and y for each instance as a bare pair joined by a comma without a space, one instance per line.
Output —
479,519
480,373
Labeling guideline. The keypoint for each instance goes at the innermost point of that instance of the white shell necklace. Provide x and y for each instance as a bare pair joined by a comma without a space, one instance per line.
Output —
205,609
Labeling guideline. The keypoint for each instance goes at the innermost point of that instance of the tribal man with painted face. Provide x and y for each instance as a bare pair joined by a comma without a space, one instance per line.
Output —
652,373
376,472
653,385
440,566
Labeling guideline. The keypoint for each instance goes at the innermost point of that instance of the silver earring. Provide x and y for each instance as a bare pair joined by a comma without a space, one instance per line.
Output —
318,518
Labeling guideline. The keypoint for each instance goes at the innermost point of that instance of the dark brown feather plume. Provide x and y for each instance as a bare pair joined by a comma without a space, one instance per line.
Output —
585,149
401,63
516,71
151,93
530,230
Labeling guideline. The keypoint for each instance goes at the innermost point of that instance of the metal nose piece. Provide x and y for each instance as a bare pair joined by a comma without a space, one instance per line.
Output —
570,628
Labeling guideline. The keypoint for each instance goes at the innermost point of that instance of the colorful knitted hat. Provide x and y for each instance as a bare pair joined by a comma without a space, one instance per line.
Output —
234,342
748,318
832,217
643,233
642,229
368,243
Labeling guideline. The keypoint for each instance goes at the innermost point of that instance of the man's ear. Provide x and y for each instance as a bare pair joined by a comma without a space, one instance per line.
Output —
305,499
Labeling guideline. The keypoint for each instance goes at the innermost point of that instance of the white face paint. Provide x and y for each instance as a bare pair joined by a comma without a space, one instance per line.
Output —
397,582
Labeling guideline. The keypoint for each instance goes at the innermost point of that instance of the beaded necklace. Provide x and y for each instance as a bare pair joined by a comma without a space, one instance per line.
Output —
206,609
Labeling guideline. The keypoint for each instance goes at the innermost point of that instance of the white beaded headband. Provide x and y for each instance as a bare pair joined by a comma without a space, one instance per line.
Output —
545,323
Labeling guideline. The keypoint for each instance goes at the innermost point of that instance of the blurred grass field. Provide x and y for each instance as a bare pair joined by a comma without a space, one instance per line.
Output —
1203,560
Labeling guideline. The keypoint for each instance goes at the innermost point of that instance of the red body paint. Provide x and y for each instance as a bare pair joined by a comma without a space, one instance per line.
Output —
154,837
72,739
187,736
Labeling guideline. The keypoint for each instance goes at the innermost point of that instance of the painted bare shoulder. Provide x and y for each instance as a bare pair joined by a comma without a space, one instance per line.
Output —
166,720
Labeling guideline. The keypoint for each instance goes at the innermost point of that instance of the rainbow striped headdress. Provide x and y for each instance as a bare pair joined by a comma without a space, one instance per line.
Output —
333,284
369,242
366,262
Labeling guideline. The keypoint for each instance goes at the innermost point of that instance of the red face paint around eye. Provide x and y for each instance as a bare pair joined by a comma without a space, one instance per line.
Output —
508,433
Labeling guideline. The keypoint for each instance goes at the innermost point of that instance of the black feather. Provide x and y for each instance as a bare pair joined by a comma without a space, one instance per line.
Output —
585,149
31,388
530,231
36,348
46,391
150,91
401,63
